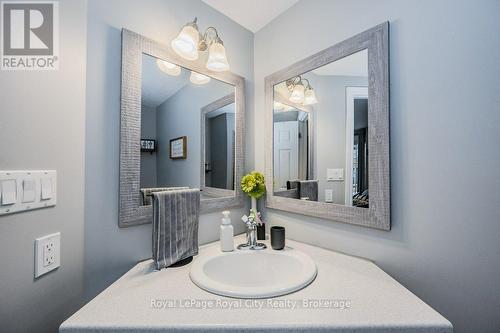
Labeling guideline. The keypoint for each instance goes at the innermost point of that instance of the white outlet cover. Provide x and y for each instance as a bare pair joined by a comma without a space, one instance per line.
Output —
47,253
328,195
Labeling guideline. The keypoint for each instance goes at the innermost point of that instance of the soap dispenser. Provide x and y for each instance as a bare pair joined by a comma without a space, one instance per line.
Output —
226,233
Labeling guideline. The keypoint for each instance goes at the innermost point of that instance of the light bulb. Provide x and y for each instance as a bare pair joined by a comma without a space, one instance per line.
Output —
310,97
197,78
168,67
186,43
297,95
217,60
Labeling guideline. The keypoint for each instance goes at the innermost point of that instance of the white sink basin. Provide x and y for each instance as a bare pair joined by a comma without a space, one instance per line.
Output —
253,274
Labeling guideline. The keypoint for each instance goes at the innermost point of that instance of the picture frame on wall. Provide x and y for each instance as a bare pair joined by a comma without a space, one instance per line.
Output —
178,148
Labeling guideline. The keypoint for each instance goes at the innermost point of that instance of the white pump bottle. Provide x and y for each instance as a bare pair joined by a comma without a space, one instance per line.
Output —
226,233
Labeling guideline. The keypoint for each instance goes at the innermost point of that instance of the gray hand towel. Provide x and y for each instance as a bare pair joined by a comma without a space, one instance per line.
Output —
308,189
175,226
146,193
292,193
292,183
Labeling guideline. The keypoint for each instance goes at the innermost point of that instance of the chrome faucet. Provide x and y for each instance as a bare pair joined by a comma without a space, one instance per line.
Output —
251,243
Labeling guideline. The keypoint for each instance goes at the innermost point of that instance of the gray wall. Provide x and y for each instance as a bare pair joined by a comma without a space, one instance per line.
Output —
109,250
42,126
178,116
329,130
148,160
444,243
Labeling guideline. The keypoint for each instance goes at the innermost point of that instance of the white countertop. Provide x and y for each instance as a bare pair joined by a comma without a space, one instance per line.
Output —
144,300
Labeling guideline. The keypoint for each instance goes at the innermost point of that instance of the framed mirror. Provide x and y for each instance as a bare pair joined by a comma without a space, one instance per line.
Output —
162,145
327,133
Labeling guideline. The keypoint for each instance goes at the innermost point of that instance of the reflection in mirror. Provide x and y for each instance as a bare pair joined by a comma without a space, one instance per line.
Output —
320,145
172,98
219,145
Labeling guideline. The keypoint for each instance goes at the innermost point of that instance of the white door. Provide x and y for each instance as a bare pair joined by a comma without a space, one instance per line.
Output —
286,152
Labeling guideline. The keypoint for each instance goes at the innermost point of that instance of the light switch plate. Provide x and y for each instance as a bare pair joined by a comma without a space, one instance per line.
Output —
27,191
47,253
333,175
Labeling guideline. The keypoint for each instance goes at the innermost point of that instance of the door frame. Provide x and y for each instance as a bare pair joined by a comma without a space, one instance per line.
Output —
351,94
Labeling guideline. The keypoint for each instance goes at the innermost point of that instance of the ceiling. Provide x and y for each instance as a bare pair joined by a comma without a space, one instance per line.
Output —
253,14
156,85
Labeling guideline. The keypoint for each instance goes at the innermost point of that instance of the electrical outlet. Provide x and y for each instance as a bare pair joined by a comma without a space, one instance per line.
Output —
47,253
328,195
49,257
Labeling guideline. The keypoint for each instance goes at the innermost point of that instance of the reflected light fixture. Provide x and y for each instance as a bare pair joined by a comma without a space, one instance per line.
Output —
278,106
297,95
168,67
281,107
301,94
199,79
190,41
310,97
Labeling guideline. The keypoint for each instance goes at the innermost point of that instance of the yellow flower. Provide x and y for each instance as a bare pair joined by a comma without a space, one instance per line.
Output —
253,184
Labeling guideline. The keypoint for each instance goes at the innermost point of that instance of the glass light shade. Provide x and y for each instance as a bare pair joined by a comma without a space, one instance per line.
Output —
197,78
168,67
310,97
279,106
186,43
297,95
217,60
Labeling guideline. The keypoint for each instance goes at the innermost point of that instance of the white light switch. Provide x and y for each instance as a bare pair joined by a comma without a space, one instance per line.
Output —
23,190
333,175
9,191
46,188
328,195
29,190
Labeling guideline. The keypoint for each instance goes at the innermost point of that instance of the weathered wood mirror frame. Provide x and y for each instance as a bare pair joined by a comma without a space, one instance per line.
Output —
376,41
133,47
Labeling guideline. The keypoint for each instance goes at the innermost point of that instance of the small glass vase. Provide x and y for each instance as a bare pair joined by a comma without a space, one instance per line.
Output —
261,227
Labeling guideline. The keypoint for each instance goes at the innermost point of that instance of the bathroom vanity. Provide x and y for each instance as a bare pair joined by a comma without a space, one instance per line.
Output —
349,294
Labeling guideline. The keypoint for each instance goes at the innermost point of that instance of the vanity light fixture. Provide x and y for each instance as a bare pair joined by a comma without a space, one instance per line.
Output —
297,95
168,67
310,96
278,106
190,41
301,94
199,79
281,107
186,42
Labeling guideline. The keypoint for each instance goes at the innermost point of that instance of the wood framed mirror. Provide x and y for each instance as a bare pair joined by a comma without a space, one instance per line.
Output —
162,96
336,168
